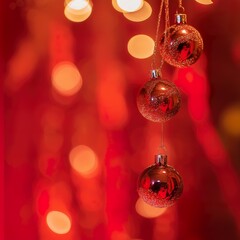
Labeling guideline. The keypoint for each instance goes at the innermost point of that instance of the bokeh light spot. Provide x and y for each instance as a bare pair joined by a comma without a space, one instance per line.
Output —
116,7
230,120
77,4
205,2
66,78
141,46
83,160
78,10
189,77
58,222
141,15
147,211
130,6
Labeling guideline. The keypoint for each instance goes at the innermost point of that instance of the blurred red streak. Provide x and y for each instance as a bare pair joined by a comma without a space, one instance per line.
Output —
226,175
1,153
208,137
43,202
117,192
61,44
116,189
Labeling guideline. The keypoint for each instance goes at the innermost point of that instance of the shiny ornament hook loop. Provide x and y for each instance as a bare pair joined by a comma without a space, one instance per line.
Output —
180,18
156,73
161,160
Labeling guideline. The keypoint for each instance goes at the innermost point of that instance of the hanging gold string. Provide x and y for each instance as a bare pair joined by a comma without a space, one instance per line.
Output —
162,147
180,3
167,21
154,64
180,6
165,4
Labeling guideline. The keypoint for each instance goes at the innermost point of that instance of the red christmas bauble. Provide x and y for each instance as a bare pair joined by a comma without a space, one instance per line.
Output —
160,185
158,100
181,45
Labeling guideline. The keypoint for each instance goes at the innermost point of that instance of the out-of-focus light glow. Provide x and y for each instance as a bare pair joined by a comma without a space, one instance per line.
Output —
116,7
189,77
66,79
77,4
141,46
147,211
117,235
78,10
58,222
83,160
130,6
205,2
230,120
141,15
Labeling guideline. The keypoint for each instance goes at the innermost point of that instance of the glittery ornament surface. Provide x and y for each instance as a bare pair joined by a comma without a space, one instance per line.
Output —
181,45
158,100
160,186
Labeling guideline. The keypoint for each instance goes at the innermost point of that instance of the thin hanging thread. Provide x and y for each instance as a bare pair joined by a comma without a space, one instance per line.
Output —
154,65
167,22
180,6
167,25
163,149
180,3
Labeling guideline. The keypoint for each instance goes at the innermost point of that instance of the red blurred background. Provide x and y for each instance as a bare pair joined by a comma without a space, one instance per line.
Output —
46,131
